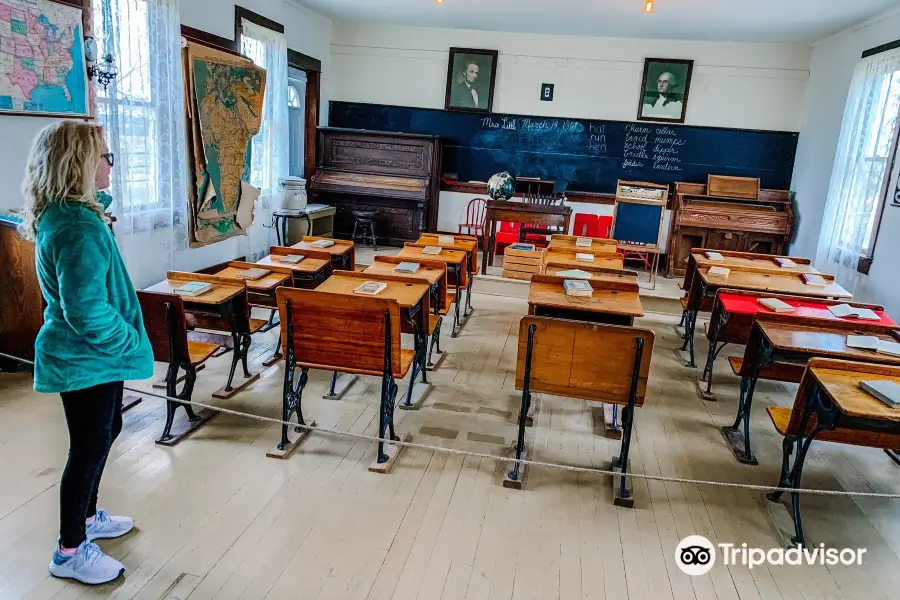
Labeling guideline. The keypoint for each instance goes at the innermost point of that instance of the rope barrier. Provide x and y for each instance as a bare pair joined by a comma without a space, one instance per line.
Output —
522,461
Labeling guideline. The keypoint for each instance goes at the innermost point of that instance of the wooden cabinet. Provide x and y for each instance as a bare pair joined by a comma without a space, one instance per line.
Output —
21,303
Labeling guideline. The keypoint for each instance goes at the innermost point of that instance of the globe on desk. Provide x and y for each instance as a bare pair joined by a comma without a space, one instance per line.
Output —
501,186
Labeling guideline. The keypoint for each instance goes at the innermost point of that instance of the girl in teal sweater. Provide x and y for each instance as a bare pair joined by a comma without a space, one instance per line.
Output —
93,337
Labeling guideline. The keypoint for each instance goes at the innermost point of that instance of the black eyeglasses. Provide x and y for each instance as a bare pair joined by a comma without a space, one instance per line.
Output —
110,158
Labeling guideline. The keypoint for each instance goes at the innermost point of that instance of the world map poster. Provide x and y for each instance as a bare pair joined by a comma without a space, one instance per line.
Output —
42,67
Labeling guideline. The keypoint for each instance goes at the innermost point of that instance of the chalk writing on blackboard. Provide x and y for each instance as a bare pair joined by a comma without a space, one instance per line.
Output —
665,149
502,123
597,138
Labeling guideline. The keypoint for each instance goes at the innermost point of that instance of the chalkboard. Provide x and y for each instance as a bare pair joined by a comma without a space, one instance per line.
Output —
590,155
637,223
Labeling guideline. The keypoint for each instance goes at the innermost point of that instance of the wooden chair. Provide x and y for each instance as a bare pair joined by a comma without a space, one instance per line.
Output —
350,334
605,363
474,223
164,320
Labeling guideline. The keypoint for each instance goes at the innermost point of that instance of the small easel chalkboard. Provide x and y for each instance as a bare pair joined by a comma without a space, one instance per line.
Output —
638,219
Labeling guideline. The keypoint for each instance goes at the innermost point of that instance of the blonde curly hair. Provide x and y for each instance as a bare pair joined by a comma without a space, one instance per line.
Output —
61,168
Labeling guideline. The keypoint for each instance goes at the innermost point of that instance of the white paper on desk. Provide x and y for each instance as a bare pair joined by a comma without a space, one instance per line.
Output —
247,202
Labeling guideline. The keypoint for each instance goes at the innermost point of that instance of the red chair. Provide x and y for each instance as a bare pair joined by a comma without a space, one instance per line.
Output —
474,224
585,225
604,224
507,234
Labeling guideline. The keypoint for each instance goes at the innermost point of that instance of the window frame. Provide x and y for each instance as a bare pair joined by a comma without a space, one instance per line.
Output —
864,264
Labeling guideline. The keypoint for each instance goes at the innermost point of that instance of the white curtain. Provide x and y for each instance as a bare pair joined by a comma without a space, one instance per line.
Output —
859,169
271,147
142,111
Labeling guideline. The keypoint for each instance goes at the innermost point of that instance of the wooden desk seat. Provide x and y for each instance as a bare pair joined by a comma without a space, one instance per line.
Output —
786,372
164,321
781,419
344,333
589,361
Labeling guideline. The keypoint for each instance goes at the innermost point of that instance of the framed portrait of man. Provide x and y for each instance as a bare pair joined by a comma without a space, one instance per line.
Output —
470,80
664,89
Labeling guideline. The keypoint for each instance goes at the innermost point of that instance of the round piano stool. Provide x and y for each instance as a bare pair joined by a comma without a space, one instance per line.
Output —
364,221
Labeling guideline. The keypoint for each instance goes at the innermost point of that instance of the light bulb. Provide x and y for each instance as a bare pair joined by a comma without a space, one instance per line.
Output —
439,1
649,6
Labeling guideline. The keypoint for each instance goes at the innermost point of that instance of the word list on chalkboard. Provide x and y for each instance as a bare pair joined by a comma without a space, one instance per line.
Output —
657,147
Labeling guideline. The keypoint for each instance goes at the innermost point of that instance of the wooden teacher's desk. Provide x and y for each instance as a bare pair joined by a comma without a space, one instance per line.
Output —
519,212
616,303
782,345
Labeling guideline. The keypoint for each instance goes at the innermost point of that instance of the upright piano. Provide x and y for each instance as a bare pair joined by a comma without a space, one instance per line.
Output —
728,213
395,175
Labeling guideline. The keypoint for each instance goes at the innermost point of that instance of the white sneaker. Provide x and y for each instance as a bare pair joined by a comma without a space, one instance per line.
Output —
106,526
89,565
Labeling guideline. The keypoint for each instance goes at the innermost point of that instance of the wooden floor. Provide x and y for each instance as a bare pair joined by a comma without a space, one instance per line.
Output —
217,519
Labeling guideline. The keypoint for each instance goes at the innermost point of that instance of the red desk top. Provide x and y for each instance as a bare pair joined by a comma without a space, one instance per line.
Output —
749,305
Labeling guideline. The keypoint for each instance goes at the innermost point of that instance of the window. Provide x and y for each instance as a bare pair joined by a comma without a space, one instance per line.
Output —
268,49
141,109
857,192
297,116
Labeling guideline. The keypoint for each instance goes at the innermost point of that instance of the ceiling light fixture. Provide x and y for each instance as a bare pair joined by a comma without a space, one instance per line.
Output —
647,7
439,1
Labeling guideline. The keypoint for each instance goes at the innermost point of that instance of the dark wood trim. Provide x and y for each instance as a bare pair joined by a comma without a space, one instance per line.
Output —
882,48
684,97
210,40
495,56
865,263
583,197
301,61
313,86
241,13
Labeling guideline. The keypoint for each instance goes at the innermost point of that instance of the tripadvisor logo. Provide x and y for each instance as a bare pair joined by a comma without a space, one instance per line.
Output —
695,555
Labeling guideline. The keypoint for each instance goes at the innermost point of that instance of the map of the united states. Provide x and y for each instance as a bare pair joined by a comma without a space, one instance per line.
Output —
41,58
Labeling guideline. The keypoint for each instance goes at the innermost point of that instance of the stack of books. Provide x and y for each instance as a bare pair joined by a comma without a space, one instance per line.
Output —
578,287
718,272
784,263
193,288
886,391
292,259
584,256
407,267
583,242
872,342
814,279
431,250
253,274
322,243
371,288
714,256
446,239
776,305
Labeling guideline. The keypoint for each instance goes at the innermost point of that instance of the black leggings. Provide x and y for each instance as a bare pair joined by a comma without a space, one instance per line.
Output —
94,419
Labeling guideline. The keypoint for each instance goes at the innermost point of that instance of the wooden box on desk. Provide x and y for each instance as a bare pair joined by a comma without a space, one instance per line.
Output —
522,264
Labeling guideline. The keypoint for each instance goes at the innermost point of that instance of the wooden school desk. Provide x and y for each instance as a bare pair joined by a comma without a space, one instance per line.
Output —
518,212
779,348
223,308
830,406
413,298
343,252
567,242
464,243
435,274
705,286
566,258
614,302
745,261
454,259
308,273
597,273
734,311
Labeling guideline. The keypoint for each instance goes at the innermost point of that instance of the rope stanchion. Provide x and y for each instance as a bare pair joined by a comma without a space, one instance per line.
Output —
522,461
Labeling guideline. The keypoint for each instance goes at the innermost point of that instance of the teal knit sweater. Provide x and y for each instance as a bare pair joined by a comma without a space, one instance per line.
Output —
93,331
